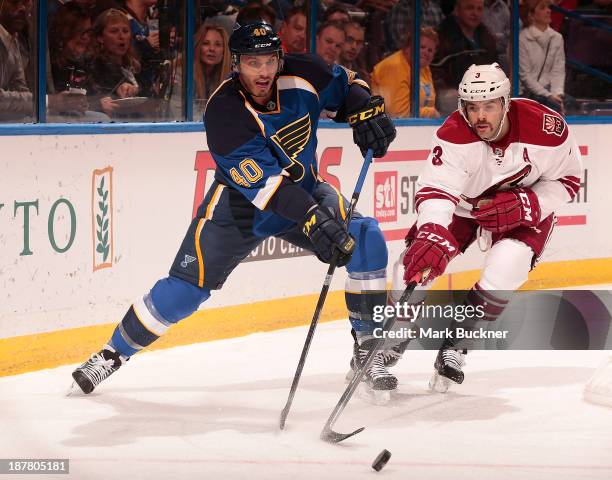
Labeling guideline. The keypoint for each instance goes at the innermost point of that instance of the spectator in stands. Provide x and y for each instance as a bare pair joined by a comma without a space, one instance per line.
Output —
330,39
496,18
354,40
541,56
114,65
256,11
145,39
70,34
293,31
400,18
336,12
16,99
23,30
212,64
464,40
392,78
375,31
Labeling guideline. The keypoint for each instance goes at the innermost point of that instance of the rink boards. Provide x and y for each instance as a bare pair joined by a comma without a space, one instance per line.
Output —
89,222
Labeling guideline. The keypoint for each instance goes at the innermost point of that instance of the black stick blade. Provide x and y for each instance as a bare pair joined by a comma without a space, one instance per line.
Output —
329,436
283,417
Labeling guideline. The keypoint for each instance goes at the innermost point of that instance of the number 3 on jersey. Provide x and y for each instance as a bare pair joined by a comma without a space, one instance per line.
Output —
436,158
250,170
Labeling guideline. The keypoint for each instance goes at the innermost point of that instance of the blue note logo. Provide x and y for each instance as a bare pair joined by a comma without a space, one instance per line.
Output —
292,139
188,259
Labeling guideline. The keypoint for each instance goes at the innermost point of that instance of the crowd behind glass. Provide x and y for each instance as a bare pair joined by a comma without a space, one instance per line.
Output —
123,60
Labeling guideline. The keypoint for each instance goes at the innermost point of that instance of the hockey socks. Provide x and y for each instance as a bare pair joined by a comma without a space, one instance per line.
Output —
169,301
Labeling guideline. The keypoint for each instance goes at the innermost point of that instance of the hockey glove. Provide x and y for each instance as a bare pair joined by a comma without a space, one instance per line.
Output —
372,128
432,247
507,210
328,235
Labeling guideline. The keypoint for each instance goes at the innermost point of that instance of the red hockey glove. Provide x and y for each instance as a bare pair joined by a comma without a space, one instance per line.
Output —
432,248
507,210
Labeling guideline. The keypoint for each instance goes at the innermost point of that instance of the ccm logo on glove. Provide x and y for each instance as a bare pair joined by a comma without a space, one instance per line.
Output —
441,241
526,205
507,210
428,252
369,113
309,224
372,127
329,237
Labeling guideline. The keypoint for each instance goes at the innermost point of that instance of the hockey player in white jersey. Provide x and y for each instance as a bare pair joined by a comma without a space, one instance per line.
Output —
497,171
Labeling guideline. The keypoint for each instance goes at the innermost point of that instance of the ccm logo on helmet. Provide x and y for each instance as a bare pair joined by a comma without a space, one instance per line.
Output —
432,237
262,45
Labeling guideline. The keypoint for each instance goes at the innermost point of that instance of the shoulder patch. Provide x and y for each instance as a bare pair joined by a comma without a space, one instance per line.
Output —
538,124
553,125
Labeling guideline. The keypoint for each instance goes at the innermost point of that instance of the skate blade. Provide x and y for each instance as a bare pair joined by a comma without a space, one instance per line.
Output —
373,397
438,383
74,389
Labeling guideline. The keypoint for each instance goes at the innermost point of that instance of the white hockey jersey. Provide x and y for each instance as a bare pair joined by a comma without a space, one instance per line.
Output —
538,152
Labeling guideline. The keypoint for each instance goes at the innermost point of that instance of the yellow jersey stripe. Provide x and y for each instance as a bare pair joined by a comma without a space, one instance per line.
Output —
199,253
340,202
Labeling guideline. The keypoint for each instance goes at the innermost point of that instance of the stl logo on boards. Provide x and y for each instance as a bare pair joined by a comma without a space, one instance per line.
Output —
385,196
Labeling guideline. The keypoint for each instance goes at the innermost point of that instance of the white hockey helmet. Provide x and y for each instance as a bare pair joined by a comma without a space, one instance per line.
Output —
481,83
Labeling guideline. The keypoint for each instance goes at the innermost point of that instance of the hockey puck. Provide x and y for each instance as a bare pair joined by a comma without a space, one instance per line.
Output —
381,460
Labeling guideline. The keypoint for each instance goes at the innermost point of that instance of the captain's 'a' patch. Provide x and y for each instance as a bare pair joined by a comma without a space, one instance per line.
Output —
292,139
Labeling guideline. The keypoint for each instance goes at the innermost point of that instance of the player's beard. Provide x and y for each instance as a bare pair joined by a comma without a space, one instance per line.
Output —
486,134
491,134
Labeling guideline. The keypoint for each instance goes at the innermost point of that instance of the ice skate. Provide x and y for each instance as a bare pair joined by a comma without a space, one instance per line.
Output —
378,382
447,369
97,368
393,355
390,358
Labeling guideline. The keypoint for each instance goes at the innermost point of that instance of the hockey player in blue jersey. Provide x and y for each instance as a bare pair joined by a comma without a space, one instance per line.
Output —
261,130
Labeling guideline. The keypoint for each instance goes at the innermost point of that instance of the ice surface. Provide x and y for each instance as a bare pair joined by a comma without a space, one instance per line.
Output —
210,411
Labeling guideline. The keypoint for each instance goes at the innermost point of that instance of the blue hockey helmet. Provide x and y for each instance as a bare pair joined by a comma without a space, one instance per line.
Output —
254,39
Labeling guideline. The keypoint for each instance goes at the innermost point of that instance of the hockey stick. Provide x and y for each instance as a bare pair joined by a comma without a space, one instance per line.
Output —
323,295
328,434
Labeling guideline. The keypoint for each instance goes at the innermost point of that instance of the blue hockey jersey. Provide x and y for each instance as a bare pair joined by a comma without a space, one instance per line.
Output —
254,146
